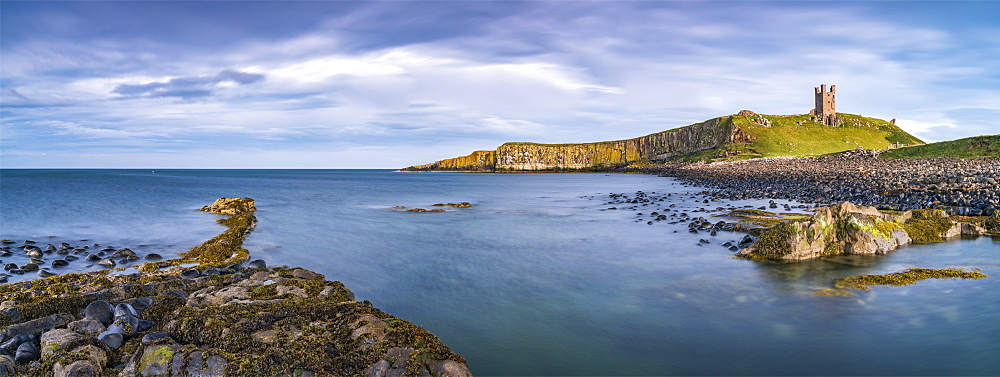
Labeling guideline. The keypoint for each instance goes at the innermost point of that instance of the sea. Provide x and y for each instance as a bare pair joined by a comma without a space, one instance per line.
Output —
544,274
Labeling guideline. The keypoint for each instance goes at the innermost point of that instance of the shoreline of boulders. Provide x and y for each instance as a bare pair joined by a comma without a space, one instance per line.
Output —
966,187
208,313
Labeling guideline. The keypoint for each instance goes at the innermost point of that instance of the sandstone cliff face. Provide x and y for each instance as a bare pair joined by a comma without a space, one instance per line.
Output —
658,146
478,161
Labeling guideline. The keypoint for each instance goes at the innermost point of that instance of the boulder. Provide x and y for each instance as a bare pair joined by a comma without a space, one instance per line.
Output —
54,341
37,326
156,360
838,229
26,352
100,310
200,366
79,368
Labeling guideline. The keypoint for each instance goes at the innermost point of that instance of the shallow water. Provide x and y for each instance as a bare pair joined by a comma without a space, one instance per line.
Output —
539,277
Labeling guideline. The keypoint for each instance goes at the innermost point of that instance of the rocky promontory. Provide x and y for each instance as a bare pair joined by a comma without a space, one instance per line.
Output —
224,317
742,135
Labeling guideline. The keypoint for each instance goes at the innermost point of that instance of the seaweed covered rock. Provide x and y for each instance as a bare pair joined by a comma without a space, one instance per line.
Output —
844,228
273,322
233,320
230,206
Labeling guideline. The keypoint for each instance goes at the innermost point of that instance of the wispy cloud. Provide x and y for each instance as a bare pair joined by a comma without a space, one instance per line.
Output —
420,81
187,87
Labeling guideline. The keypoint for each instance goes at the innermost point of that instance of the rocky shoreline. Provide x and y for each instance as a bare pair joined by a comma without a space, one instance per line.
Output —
967,187
209,313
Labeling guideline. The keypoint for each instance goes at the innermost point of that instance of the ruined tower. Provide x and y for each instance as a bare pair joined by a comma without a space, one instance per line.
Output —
826,105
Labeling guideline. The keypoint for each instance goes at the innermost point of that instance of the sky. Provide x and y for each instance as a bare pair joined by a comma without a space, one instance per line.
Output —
389,84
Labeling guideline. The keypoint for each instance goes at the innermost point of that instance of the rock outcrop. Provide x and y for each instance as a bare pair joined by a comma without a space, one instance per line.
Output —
601,155
844,228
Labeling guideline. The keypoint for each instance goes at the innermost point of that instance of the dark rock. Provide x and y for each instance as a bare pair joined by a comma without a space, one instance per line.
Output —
305,274
26,352
100,310
46,273
59,263
190,274
235,267
259,263
87,326
112,339
30,267
11,344
153,256
212,366
70,258
141,303
37,326
79,368
126,325
210,271
6,366
107,262
154,336
125,310
745,241
9,266
145,324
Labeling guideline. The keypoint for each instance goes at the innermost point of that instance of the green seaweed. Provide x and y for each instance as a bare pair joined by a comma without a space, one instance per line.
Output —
773,243
910,276
927,226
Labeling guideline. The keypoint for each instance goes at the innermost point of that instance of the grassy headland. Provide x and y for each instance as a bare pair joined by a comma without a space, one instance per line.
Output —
970,147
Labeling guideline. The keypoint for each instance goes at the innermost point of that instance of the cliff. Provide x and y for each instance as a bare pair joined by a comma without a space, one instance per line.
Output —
741,136
601,155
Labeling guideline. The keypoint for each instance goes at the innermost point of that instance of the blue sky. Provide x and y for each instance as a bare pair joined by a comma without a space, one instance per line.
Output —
390,84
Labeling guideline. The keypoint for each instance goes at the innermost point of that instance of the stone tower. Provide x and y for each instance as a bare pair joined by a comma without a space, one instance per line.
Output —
826,105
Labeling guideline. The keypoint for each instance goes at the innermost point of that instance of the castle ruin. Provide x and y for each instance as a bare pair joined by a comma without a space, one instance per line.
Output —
826,105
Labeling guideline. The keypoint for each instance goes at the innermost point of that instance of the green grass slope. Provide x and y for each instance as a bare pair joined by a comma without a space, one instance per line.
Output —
970,147
802,135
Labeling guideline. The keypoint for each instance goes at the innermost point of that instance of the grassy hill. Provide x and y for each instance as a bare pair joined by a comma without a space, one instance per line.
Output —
978,146
801,135
732,137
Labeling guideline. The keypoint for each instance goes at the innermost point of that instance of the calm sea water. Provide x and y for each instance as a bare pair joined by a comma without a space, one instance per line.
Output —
539,277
